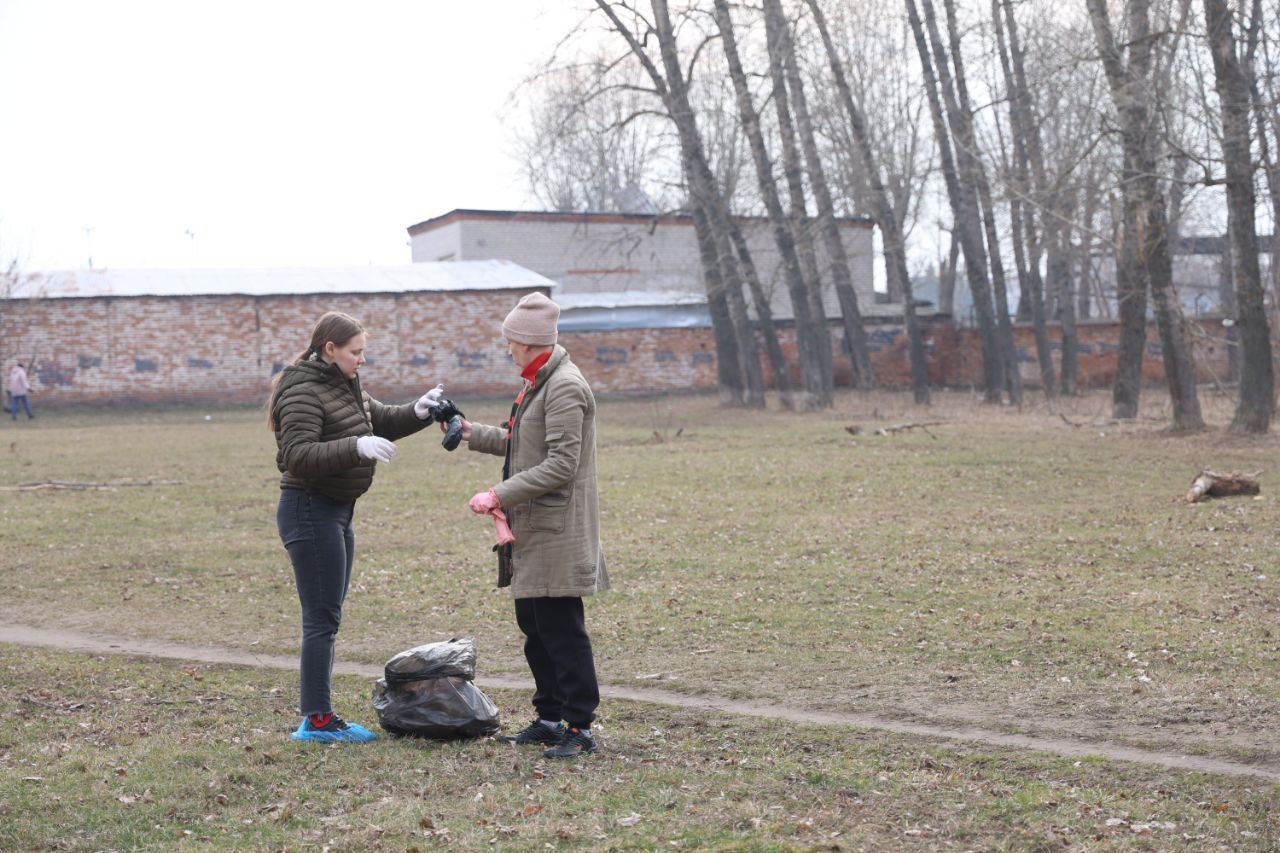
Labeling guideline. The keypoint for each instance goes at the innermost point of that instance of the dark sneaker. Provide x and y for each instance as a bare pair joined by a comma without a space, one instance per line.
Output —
336,730
535,732
572,744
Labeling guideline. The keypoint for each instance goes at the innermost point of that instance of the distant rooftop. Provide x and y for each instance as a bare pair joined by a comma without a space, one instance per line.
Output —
405,278
587,217
629,299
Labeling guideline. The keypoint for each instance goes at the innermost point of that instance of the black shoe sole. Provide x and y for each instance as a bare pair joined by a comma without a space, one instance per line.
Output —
515,739
551,753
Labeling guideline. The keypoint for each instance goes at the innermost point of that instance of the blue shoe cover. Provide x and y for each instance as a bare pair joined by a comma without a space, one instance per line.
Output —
350,733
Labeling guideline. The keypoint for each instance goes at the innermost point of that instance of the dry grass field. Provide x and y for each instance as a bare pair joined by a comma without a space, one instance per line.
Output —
1030,571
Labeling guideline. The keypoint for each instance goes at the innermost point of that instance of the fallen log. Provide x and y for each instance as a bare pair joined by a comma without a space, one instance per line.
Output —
1210,484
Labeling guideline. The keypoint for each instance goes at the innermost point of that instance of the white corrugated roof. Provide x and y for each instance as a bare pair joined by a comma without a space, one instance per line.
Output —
629,299
450,275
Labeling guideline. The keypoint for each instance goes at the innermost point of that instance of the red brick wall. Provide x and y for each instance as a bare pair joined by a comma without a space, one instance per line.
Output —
224,349
675,359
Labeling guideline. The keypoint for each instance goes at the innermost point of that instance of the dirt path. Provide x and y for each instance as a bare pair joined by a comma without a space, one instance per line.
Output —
29,636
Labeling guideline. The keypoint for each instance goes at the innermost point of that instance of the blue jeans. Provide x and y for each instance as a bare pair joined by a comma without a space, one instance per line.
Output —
26,404
317,533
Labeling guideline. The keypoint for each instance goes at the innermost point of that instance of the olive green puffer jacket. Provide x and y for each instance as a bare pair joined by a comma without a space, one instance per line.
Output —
317,423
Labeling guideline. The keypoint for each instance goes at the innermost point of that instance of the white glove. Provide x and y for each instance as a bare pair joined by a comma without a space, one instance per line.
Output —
375,448
427,402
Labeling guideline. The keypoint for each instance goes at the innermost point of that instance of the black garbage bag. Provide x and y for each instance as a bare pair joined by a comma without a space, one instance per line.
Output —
427,692
454,657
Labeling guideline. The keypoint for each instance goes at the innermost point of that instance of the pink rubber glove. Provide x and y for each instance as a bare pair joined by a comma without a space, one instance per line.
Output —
485,502
502,530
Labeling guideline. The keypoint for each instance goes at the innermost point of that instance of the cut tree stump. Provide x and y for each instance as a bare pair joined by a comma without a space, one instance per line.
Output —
1209,484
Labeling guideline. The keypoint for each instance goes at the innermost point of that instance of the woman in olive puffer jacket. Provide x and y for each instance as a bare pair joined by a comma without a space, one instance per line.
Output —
330,435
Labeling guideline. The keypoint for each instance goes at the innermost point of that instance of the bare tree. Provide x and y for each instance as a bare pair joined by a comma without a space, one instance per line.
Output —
1025,196
886,217
593,142
811,340
778,36
1145,260
965,210
1257,378
735,341
955,91
837,257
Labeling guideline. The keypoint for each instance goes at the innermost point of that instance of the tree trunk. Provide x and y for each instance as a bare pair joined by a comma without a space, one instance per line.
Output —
895,253
1027,198
854,333
1084,267
963,113
947,278
1146,244
966,216
1131,299
728,363
1178,367
778,37
1257,380
1227,301
1266,118
764,313
1059,268
809,337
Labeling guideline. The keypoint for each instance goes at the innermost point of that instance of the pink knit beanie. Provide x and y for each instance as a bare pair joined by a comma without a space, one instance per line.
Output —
532,321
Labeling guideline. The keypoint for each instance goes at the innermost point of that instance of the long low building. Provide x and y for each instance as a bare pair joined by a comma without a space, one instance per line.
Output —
98,336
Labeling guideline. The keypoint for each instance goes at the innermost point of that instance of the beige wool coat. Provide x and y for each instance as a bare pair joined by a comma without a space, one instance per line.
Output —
550,497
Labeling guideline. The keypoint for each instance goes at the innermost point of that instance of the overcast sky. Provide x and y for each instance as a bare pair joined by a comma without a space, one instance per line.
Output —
243,134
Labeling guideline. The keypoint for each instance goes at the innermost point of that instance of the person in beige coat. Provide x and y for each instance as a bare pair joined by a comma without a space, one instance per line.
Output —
548,494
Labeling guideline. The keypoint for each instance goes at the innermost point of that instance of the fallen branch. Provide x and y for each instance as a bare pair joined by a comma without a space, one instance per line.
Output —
855,429
63,484
924,425
1209,484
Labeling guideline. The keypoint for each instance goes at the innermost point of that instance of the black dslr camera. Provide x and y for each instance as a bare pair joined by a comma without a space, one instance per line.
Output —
445,412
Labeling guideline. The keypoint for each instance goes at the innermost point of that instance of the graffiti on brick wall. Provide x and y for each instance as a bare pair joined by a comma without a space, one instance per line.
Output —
472,360
878,340
420,361
276,367
88,362
52,373
146,365
701,358
611,355
665,356
199,364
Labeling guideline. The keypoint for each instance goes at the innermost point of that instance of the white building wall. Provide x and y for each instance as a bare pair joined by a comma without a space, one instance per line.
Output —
610,256
438,244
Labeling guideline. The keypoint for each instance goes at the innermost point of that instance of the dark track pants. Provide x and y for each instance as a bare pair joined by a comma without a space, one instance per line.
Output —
558,650
317,533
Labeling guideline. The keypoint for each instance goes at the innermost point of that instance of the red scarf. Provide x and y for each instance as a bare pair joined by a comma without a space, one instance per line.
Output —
529,373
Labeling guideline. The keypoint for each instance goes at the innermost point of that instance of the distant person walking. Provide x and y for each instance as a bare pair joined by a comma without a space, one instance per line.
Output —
19,391
548,493
330,435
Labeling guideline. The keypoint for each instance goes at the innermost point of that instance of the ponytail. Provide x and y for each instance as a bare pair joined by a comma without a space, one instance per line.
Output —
332,326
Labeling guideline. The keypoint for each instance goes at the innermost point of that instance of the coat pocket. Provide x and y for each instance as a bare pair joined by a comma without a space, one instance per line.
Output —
547,512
